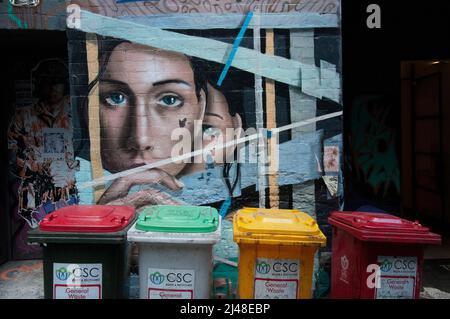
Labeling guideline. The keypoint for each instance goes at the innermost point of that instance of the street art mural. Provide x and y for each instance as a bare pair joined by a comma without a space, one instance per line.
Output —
134,93
42,164
373,149
32,14
160,91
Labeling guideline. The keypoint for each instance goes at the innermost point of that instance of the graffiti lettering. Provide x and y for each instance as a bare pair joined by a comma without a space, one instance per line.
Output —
207,5
109,7
171,6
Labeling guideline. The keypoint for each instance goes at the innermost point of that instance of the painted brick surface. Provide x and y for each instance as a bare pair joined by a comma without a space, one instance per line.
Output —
125,113
301,155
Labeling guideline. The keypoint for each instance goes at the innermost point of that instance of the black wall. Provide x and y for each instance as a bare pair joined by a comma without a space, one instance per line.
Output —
22,49
410,30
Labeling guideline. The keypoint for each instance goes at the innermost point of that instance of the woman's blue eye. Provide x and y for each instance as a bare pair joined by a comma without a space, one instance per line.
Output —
170,101
116,99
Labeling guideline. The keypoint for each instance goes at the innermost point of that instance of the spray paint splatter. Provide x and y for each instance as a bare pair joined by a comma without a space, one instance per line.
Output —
13,17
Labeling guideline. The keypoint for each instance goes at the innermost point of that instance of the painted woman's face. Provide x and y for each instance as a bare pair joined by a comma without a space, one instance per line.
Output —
216,123
144,95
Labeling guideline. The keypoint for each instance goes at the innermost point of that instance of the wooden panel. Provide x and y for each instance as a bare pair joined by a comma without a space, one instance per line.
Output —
427,96
428,204
427,136
427,172
406,144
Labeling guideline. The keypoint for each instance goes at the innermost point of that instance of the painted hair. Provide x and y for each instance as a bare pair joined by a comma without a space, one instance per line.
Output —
106,46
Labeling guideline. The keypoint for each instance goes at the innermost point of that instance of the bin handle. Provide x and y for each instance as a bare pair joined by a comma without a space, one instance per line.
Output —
311,223
51,217
357,220
119,220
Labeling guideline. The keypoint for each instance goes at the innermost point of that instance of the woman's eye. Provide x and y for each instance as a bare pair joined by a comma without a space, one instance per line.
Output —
116,99
170,101
209,130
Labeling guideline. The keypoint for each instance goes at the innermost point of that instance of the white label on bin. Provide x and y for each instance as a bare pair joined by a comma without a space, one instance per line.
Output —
397,277
171,283
276,278
77,281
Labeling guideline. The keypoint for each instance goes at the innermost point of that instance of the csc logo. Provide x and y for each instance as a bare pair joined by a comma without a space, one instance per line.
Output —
178,277
85,272
285,267
400,264
62,274
157,278
386,265
263,268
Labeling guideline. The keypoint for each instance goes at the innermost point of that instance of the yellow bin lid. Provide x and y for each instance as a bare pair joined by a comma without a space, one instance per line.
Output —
276,227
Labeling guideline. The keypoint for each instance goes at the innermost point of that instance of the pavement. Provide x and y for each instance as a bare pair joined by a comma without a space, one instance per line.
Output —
24,280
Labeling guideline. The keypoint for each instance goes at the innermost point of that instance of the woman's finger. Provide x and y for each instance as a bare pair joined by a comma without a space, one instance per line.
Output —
170,181
146,198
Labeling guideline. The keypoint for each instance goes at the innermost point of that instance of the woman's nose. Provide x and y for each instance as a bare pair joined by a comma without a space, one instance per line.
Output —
140,139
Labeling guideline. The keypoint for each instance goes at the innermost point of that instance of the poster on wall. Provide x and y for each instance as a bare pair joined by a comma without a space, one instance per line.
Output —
41,156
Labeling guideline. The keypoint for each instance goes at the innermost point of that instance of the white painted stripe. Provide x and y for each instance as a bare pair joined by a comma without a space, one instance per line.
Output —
273,67
207,149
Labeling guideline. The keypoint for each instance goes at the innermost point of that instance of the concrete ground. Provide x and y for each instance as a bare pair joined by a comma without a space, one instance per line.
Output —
24,280
436,280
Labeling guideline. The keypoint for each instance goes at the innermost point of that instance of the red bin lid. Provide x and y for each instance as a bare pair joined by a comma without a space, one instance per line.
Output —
383,227
88,219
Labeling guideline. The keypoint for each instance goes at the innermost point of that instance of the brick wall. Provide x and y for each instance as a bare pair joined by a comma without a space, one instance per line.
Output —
301,150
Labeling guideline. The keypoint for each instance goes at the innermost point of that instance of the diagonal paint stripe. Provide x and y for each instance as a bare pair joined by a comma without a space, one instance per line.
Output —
205,150
270,66
236,44
13,17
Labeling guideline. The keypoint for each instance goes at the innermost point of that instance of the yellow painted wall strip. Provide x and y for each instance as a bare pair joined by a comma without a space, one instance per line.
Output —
271,120
94,114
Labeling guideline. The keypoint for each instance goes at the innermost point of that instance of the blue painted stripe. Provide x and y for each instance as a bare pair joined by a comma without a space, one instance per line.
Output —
236,44
225,207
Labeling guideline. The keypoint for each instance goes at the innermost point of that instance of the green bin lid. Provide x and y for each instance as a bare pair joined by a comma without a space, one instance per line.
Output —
178,219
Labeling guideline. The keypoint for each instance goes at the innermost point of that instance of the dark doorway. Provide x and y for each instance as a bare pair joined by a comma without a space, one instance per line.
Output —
24,49
373,88
425,136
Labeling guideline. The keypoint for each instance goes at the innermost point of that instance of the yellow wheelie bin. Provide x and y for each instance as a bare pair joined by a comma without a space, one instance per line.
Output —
276,253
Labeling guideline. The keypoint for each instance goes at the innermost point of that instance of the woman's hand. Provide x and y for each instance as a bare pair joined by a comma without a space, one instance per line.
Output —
117,193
